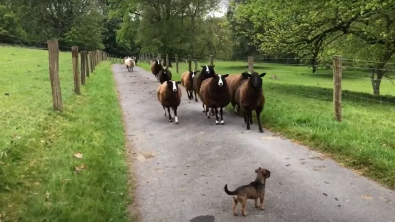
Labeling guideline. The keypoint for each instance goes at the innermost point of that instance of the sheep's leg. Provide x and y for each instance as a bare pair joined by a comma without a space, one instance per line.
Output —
195,97
258,118
212,112
175,115
204,109
207,112
164,108
216,116
245,117
191,94
221,111
249,114
251,119
168,110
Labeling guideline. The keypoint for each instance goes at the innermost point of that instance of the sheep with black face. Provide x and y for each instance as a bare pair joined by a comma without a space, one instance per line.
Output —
164,75
169,95
187,81
156,66
234,81
249,96
206,72
214,93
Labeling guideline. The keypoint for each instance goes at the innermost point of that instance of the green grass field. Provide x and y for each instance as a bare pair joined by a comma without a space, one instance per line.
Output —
299,105
41,179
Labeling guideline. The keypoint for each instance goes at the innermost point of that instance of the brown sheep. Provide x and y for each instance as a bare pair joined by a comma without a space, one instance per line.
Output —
169,95
187,81
207,72
249,96
233,83
215,93
155,68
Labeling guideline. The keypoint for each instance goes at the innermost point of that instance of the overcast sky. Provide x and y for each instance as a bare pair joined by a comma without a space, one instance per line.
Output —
223,6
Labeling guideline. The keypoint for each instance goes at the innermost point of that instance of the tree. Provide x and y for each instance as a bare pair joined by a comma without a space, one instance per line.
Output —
308,28
10,26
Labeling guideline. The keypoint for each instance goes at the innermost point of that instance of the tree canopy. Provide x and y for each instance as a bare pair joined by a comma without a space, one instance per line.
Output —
316,30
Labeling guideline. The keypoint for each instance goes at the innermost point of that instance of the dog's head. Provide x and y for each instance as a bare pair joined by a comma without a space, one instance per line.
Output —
262,173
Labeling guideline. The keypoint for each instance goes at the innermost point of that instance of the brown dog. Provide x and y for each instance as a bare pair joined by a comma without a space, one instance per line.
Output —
254,190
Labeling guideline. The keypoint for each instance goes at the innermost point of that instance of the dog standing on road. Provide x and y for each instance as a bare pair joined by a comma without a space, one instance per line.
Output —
254,190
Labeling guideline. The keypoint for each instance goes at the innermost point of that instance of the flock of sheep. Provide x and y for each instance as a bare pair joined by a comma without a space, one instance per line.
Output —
215,91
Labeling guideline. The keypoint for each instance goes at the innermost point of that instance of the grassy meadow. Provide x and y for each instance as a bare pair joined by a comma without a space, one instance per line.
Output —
68,166
299,106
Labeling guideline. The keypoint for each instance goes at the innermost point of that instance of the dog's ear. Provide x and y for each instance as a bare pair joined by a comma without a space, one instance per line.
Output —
257,170
267,174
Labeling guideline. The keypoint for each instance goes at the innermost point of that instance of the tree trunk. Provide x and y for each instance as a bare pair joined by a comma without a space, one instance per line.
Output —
376,82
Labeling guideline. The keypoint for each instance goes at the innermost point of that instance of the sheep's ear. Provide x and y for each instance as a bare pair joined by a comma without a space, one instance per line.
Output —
262,74
246,74
203,67
224,76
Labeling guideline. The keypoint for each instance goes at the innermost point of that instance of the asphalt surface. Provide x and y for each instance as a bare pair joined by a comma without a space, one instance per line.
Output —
181,169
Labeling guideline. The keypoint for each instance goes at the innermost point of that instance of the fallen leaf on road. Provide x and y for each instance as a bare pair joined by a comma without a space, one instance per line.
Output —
367,196
78,155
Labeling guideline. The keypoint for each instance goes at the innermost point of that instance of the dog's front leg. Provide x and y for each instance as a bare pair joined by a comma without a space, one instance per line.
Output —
243,208
262,198
256,203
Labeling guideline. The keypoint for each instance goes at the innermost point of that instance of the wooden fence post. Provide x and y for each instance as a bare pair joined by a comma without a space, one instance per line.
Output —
98,57
83,64
196,64
53,56
211,60
250,63
189,62
177,64
91,58
74,54
167,60
86,64
337,87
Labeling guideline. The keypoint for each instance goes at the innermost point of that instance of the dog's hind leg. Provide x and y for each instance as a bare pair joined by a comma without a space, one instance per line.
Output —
235,206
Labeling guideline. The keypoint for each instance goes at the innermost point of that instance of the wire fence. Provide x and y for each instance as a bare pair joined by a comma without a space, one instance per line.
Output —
26,92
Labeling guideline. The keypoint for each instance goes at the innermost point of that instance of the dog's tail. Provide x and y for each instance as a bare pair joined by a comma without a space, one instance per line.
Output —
229,192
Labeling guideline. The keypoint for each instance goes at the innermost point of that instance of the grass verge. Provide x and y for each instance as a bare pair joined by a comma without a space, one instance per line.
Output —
299,106
43,180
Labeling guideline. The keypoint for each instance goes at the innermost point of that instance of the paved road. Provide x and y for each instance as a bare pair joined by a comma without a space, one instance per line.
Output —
182,169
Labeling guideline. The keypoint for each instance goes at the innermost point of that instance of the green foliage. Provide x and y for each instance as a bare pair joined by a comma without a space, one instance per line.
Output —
321,29
10,25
